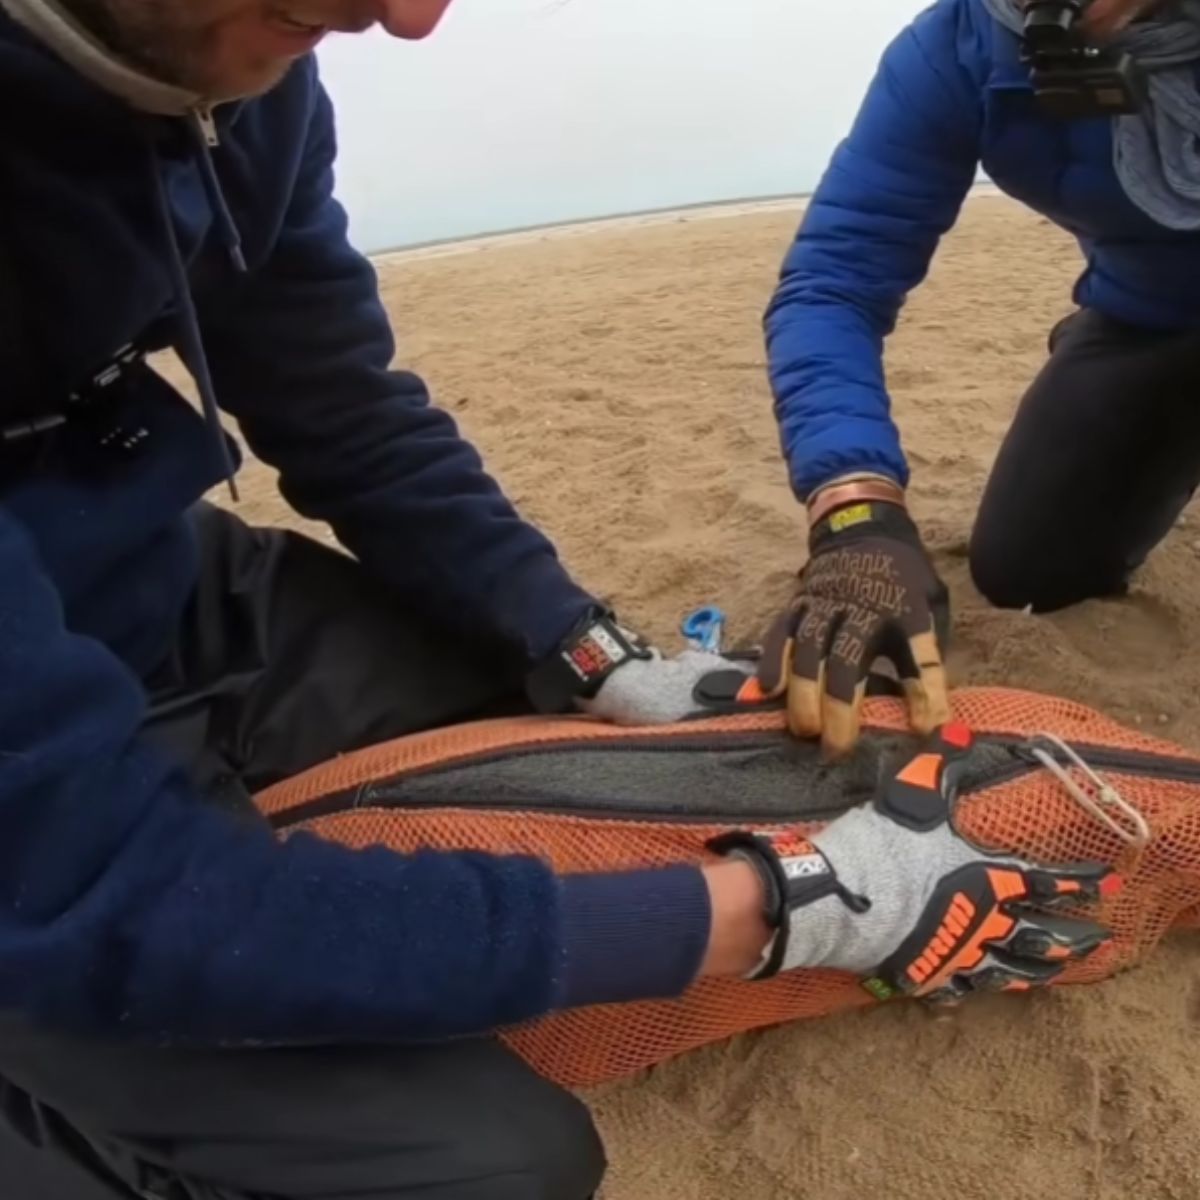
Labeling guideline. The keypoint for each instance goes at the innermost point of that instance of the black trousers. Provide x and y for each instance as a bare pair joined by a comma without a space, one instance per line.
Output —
1102,457
290,655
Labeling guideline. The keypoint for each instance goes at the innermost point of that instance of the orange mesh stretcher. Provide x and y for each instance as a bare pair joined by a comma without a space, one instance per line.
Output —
587,796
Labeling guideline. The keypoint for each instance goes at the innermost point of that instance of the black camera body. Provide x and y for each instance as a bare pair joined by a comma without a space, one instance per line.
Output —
1072,79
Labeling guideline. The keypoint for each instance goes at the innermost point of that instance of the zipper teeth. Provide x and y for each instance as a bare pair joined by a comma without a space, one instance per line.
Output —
739,740
376,795
1121,762
616,811
1128,762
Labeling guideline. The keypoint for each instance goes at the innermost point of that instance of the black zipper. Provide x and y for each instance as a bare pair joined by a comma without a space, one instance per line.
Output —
1024,762
382,795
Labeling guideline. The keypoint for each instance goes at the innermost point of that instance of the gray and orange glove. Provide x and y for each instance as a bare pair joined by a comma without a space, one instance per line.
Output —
608,671
868,591
893,892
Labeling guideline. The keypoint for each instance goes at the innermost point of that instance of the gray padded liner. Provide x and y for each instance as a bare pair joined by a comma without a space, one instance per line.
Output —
769,777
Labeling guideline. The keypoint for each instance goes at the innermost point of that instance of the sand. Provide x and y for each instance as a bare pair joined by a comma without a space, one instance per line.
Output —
614,379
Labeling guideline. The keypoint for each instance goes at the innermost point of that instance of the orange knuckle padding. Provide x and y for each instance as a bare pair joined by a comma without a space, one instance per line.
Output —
995,926
1008,884
924,771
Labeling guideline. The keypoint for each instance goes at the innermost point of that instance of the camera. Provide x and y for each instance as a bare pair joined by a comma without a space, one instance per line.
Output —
1071,78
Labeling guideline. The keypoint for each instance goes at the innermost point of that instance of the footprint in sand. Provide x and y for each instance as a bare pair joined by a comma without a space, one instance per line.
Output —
1135,634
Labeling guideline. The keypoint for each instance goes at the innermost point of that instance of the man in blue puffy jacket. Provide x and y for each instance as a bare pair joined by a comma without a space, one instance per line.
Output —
1105,448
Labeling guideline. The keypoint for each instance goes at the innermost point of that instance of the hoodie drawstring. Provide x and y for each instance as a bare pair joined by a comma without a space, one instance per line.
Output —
189,324
226,225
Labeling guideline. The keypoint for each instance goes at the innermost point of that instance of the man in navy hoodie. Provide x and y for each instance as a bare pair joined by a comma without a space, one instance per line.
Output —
189,1008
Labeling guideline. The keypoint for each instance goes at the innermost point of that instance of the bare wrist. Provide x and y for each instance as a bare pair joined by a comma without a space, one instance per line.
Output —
740,933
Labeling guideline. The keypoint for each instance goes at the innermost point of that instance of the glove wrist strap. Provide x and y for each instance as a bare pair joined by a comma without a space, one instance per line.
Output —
864,518
794,874
579,667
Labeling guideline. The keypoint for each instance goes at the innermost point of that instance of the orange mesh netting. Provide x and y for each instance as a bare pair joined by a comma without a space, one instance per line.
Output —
1032,815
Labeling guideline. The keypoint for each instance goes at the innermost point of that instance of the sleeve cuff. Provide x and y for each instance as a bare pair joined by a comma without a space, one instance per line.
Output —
539,604
635,935
808,479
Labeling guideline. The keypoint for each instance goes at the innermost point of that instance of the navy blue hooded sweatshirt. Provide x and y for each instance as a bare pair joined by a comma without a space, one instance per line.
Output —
128,907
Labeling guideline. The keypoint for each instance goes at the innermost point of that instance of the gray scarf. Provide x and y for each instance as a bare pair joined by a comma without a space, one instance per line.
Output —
1155,152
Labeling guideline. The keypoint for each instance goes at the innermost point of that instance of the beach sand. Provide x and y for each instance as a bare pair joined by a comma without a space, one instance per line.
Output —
614,379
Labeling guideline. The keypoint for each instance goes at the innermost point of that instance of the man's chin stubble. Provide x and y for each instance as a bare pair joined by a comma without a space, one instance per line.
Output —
115,23
121,26
99,19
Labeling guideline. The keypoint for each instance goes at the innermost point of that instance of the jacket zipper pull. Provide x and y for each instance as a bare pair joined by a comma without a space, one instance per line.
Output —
203,116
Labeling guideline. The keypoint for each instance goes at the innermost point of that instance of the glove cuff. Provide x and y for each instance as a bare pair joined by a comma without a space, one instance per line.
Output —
864,518
585,658
794,874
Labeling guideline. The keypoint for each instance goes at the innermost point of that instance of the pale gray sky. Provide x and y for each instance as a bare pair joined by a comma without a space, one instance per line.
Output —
518,112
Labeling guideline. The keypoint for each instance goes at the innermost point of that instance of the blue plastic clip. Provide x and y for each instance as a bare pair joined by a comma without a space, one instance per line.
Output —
704,629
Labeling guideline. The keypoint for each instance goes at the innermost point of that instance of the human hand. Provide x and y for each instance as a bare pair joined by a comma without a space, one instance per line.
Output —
868,591
659,690
610,672
894,892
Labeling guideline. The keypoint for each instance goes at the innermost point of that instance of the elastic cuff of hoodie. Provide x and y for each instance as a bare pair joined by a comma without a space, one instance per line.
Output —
539,604
636,935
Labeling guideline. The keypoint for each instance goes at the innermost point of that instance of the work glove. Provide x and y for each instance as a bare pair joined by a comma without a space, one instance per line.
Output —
610,672
868,591
893,892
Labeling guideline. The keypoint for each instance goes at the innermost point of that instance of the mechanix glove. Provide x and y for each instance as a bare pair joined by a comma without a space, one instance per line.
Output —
868,591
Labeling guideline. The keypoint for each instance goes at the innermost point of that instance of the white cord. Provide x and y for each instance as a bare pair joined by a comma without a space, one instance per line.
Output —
1102,801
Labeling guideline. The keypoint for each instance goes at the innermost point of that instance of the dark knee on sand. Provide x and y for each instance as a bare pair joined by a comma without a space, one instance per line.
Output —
1038,569
515,1136
467,1120
554,1153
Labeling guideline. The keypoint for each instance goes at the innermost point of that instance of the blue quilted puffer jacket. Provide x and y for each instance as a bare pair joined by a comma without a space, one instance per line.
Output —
950,95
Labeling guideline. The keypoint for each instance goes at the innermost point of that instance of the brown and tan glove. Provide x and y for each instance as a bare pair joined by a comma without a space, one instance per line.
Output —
868,591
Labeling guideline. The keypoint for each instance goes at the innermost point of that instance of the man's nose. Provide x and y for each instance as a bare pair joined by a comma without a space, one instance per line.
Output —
411,19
